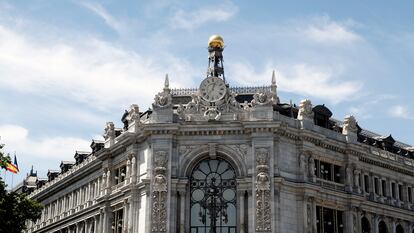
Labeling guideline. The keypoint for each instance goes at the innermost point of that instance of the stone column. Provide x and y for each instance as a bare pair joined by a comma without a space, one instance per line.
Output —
108,182
241,211
128,171
182,212
134,169
96,224
357,181
126,215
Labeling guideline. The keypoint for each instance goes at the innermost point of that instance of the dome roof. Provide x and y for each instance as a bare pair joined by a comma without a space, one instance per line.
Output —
216,41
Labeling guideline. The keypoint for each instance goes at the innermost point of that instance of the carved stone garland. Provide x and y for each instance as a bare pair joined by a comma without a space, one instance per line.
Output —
159,192
263,210
197,105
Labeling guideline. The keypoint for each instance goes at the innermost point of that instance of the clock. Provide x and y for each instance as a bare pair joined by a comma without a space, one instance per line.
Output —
212,89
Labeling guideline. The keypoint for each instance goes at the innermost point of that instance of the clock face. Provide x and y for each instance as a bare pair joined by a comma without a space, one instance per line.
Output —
212,89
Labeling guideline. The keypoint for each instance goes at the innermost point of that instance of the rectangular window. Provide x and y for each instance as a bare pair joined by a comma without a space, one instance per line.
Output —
376,186
409,193
400,193
384,188
325,171
117,223
337,174
393,190
120,174
366,183
329,220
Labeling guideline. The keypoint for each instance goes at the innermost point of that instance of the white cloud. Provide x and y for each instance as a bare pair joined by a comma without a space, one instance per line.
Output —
17,138
325,30
192,20
103,13
89,71
400,111
302,79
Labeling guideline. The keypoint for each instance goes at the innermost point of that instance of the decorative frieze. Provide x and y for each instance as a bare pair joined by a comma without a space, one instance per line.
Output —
263,210
159,192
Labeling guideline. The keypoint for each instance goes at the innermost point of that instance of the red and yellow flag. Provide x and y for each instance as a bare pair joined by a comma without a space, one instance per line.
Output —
13,167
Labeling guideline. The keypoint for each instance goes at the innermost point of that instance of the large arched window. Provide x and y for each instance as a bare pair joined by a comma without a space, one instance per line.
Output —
366,228
399,229
382,227
213,197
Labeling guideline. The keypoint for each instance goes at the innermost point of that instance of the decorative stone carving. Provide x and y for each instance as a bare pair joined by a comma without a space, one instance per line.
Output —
263,210
207,111
186,149
163,99
241,149
109,132
302,163
159,192
348,171
262,98
133,114
350,125
309,224
311,167
305,110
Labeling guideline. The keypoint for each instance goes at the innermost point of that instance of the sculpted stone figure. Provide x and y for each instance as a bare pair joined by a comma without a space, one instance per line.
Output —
350,125
311,167
305,110
302,163
109,131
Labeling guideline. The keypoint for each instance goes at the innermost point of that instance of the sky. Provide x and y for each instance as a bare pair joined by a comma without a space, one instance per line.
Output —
68,67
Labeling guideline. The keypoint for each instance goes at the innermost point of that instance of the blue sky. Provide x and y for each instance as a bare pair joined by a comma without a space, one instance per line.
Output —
67,67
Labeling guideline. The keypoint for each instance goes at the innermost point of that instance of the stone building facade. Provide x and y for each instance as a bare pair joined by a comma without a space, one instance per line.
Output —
231,159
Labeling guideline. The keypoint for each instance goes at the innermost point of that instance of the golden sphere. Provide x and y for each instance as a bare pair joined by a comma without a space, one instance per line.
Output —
216,41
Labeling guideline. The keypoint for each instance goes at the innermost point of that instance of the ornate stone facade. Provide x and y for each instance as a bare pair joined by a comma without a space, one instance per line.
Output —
245,162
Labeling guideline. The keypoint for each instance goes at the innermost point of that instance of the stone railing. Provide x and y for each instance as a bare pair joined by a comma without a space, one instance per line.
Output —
59,178
237,90
392,156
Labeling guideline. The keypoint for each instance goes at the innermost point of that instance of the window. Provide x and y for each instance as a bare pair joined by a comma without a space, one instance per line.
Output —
328,171
120,175
410,194
393,190
384,188
400,194
366,183
117,223
329,220
365,225
376,185
213,197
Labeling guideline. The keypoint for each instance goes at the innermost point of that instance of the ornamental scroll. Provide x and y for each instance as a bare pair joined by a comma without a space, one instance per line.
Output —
263,210
159,192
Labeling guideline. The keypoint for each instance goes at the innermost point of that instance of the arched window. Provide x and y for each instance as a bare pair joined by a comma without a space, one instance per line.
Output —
382,227
213,197
399,229
366,227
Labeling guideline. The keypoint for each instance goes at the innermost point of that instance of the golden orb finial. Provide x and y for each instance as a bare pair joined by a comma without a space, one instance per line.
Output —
215,41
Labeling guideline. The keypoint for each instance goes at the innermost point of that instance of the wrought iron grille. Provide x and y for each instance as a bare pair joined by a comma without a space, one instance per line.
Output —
213,197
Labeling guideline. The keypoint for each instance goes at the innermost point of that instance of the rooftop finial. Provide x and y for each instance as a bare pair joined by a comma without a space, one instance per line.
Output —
166,82
274,86
273,78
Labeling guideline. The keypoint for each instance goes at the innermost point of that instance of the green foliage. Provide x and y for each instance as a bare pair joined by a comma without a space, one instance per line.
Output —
15,209
4,159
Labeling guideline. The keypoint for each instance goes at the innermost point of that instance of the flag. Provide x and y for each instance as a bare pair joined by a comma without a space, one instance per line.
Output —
13,167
